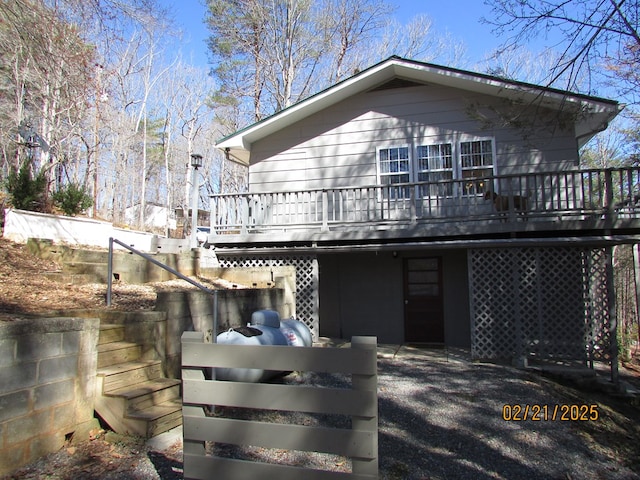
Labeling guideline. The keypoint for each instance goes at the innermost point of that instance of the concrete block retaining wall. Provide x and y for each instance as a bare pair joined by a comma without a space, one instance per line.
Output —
159,333
47,381
283,277
145,328
135,269
127,267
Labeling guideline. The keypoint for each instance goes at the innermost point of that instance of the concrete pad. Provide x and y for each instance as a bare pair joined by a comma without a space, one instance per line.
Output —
166,440
388,351
435,353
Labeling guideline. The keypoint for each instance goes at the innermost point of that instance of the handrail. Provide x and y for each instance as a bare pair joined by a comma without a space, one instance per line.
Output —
580,192
488,179
214,293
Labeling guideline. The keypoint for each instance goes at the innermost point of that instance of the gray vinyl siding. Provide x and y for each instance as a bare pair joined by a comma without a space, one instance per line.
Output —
362,294
338,146
457,329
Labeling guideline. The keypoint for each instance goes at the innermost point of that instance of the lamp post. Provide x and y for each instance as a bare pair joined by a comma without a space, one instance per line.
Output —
196,162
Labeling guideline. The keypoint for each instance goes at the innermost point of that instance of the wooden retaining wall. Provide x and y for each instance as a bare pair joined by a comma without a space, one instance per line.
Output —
360,402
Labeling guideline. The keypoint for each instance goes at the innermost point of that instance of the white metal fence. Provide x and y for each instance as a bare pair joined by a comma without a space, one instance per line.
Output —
359,443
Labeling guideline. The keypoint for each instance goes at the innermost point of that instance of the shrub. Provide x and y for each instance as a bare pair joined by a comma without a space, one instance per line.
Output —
72,199
26,192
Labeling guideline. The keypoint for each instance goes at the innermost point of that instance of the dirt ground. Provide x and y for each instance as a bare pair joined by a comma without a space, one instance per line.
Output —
26,292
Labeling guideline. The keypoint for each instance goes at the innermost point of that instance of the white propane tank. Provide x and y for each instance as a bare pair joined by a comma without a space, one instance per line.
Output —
265,328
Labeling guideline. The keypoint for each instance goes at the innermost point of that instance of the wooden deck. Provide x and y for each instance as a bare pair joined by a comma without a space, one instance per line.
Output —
594,202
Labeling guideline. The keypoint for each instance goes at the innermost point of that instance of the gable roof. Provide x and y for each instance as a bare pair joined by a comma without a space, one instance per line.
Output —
238,145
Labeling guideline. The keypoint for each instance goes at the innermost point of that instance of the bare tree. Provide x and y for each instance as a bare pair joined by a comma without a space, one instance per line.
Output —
88,80
593,37
349,23
520,63
606,150
47,73
269,54
625,267
417,39
186,118
149,79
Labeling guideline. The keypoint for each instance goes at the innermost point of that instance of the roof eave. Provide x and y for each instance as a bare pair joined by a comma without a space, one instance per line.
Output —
243,139
238,145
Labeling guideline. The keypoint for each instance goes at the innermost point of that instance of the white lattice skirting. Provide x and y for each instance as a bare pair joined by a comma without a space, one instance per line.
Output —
306,280
539,303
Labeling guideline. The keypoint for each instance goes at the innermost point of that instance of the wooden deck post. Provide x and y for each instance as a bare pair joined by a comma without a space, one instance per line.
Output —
325,211
367,383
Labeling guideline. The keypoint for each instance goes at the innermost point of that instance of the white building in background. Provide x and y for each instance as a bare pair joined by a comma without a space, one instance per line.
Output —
155,217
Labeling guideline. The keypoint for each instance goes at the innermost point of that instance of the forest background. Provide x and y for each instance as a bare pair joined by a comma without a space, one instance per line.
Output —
100,115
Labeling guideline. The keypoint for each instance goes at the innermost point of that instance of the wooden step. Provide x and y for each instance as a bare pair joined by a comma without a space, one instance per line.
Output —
160,418
118,352
148,420
144,395
110,333
129,373
132,395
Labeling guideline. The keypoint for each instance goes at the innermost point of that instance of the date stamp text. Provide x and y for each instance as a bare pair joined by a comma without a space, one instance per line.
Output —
557,412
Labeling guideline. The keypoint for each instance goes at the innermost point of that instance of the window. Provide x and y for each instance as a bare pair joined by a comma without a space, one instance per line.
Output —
451,168
395,167
469,161
476,159
435,163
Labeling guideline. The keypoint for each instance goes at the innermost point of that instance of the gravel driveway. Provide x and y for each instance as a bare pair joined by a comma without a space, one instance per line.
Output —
441,417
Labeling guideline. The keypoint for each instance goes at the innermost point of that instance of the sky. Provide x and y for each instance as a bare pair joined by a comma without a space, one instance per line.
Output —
461,18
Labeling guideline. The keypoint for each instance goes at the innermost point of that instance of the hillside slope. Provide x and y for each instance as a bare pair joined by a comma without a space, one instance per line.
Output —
25,289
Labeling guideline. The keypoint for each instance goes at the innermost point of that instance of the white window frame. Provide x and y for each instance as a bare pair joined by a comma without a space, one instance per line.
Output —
384,174
457,168
440,159
473,188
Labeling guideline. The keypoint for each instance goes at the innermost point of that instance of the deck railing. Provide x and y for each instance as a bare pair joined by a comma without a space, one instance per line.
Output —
573,193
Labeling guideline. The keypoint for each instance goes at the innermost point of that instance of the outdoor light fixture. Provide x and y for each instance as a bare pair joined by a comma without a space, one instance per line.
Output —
196,162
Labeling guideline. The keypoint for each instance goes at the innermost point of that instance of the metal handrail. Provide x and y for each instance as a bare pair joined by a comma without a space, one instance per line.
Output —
214,293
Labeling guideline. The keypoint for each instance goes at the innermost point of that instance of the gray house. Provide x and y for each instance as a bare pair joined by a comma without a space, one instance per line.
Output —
427,204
